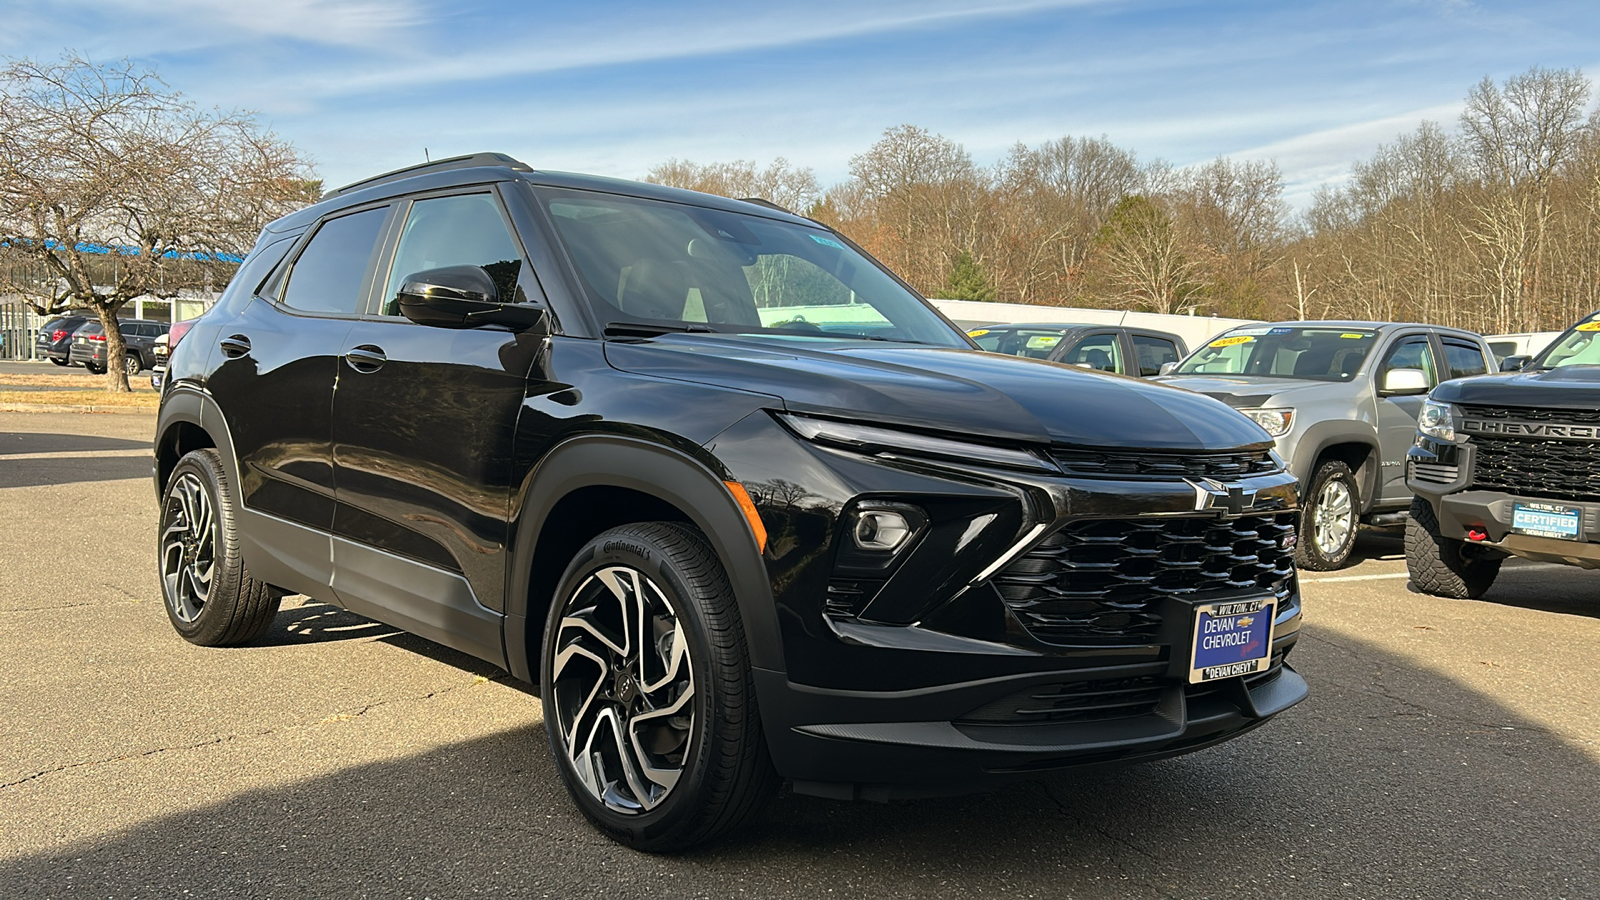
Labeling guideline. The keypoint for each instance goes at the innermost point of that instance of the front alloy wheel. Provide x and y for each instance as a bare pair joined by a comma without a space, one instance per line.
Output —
1331,520
649,701
623,688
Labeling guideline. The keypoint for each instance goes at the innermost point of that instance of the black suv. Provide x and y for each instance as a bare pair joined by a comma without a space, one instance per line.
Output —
1508,465
740,502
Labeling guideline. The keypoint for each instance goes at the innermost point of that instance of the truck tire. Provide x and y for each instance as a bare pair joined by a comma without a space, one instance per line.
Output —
210,598
1441,566
649,701
1330,518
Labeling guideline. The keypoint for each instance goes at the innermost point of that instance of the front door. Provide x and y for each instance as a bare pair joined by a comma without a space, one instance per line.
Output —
423,424
1397,415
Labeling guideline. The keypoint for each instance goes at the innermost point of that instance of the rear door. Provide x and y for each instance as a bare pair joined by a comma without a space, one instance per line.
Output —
423,424
1149,350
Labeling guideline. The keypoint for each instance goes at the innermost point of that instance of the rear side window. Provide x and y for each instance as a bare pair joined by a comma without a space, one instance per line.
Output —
328,275
1153,352
1463,359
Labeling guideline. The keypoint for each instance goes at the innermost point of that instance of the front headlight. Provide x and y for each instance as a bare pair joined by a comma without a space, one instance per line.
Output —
1437,420
876,439
1275,421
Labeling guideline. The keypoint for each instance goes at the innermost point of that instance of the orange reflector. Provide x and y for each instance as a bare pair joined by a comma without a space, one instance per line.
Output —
748,507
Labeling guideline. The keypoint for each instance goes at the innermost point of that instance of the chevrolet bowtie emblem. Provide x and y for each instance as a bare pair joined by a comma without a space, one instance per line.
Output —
1229,499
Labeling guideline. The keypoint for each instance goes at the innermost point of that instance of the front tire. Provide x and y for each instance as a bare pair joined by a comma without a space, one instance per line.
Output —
648,698
1330,518
210,599
1441,566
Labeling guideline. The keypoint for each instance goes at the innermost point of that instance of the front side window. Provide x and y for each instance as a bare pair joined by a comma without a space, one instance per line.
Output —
656,264
1320,353
329,273
1415,352
1097,351
455,231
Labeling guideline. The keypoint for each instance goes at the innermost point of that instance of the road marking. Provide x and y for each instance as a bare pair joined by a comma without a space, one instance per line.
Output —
1390,576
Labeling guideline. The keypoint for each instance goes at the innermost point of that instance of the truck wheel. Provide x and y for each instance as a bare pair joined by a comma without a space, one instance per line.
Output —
1329,518
648,698
1441,566
210,598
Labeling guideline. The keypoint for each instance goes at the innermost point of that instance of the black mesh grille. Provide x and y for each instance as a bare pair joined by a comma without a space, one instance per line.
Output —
1563,470
1074,701
1165,466
1100,581
1530,414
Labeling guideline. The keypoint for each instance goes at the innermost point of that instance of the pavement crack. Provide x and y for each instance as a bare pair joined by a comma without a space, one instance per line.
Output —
341,716
1138,878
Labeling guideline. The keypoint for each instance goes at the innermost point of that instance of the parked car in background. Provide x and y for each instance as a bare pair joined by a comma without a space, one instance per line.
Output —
139,335
1125,351
1527,343
1341,400
1508,465
54,341
843,549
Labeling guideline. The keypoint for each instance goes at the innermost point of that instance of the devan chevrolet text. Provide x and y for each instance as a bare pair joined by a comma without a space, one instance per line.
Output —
736,498
1508,465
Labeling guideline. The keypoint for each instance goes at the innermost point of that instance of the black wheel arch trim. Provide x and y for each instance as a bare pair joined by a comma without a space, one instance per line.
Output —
602,460
1318,438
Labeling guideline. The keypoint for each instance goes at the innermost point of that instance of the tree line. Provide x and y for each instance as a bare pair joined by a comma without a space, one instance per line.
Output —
1492,224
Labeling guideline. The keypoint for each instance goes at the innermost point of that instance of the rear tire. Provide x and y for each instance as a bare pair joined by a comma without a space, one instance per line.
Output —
649,702
1330,518
1441,566
210,599
59,362
131,364
95,368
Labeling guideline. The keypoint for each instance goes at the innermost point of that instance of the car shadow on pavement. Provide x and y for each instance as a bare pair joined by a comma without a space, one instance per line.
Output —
62,468
311,622
1545,587
1391,781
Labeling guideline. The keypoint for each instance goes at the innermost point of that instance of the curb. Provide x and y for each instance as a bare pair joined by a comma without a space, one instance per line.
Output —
65,408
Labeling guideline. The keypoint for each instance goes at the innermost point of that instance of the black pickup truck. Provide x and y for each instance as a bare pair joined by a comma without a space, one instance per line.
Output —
1508,465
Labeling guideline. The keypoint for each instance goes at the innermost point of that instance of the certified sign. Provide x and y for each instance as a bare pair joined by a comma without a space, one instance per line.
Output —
1231,638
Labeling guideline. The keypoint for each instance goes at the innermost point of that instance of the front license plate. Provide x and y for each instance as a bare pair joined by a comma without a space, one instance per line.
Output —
1546,520
1231,639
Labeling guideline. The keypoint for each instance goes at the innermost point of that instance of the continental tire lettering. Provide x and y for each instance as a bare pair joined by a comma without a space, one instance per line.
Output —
626,546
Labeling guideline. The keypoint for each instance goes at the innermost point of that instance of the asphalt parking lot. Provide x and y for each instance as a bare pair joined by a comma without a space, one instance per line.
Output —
1449,749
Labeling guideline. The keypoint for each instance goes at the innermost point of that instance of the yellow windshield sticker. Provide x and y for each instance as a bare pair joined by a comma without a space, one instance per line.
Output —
1230,341
1355,335
1043,341
979,333
1589,326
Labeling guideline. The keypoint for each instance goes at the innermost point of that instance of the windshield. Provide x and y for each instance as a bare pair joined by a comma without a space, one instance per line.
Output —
1577,347
653,264
1037,343
1320,353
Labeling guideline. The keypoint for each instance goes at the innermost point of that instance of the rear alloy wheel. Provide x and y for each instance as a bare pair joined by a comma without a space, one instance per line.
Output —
211,600
648,698
1330,518
131,364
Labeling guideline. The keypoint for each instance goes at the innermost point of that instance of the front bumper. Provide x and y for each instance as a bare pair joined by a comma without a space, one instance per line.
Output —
1440,473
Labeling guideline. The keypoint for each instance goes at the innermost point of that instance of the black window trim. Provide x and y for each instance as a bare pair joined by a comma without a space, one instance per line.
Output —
273,288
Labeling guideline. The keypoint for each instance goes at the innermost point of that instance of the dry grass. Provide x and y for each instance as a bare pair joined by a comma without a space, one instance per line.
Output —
63,380
146,399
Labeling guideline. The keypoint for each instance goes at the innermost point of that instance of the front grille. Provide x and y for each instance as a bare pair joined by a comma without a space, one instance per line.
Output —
847,597
1099,582
1435,472
1073,701
1561,470
1163,466
1531,414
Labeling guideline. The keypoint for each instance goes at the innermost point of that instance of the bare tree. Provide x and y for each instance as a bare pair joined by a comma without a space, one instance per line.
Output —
781,183
97,158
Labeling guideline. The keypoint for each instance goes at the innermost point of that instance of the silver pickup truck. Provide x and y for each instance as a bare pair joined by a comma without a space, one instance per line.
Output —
1341,400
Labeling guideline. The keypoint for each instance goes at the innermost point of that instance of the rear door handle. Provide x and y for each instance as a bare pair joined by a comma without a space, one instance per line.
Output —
365,358
234,346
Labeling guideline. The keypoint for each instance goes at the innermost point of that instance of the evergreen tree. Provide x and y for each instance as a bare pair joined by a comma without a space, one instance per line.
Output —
967,280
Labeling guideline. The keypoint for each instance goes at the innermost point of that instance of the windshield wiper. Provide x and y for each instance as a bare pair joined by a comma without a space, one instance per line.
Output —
641,329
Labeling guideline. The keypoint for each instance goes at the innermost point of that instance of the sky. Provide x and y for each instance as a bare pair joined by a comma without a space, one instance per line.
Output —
614,87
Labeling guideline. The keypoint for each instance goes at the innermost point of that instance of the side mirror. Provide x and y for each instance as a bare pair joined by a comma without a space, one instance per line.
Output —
1167,368
1514,363
462,297
1405,381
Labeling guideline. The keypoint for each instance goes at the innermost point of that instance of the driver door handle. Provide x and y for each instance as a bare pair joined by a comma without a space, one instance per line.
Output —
365,358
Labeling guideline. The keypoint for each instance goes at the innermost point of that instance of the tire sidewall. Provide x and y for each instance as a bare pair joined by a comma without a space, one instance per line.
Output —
1312,556
615,548
207,467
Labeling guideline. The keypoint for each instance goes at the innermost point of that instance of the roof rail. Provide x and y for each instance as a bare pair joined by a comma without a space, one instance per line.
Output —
469,161
759,201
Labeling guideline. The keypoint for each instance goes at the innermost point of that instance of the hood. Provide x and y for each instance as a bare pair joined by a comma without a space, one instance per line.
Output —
1250,391
1006,398
1569,387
